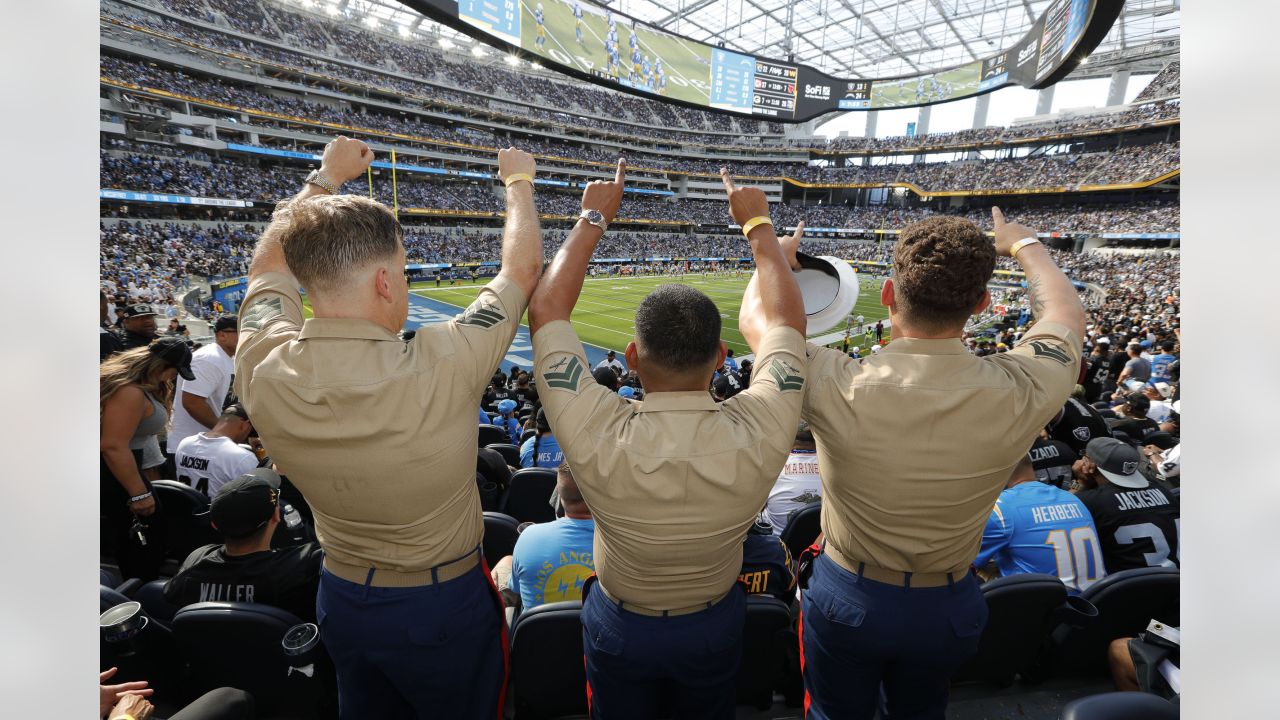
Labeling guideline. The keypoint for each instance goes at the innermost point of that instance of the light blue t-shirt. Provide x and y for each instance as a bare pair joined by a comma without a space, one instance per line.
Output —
1038,528
549,453
552,561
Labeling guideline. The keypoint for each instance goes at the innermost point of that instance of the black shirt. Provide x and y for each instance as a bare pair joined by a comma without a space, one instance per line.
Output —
728,384
1080,423
1135,428
108,344
1137,528
1097,377
288,578
767,567
130,340
1052,460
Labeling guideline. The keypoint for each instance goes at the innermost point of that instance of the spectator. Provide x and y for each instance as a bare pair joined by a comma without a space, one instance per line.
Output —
611,361
1137,520
798,485
553,560
1137,370
208,460
1051,461
1133,421
139,321
135,392
200,402
1160,364
506,419
244,568
767,565
108,342
541,450
1038,528
1076,424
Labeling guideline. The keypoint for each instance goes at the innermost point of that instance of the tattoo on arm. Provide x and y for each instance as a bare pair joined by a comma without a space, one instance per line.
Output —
1033,295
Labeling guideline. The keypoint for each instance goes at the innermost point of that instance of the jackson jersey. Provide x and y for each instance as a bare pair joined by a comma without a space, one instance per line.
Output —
1138,527
206,463
1037,528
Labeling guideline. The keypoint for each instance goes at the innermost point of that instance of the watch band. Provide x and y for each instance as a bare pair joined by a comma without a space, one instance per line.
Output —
319,180
586,215
517,177
755,222
1013,250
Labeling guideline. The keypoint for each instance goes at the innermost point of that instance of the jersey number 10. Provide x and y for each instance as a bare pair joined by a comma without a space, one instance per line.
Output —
1079,557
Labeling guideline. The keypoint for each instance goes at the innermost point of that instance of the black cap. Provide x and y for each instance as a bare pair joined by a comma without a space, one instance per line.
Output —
1160,439
1117,461
606,377
244,505
1138,404
138,310
174,351
226,322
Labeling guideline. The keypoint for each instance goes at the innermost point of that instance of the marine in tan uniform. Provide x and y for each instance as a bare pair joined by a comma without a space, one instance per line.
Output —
673,482
914,446
379,434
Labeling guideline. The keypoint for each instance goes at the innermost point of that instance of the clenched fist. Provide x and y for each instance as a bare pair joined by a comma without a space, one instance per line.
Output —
744,202
134,706
606,196
345,159
512,161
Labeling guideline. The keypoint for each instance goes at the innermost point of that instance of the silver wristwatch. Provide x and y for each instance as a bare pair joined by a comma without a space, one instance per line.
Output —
315,178
595,217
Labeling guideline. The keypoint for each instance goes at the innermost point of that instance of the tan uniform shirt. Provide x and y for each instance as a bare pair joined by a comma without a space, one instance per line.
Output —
378,434
916,443
673,482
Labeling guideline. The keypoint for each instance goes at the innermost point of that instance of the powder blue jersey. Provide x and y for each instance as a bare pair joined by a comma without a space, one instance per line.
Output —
552,561
1038,528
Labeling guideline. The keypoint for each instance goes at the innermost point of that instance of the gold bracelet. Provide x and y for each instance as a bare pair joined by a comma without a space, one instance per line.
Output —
1013,250
517,177
122,716
754,222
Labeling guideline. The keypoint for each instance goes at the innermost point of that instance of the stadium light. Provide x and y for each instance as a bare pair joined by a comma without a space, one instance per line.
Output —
405,31
512,60
332,10
478,50
446,43
371,21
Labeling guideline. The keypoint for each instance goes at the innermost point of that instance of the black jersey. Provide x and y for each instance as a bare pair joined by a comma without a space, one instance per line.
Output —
1077,425
286,578
1137,527
1052,460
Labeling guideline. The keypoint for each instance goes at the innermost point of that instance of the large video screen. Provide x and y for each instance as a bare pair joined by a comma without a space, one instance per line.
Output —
592,41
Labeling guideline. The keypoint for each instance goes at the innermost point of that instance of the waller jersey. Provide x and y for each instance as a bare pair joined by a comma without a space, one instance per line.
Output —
1037,528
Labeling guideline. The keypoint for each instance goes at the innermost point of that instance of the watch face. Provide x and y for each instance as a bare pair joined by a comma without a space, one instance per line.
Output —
595,217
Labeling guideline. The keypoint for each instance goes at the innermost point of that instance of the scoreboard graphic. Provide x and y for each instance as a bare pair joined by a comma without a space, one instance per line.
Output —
592,41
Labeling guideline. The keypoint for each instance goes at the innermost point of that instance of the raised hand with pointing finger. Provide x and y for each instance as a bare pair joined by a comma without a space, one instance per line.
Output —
605,196
1008,233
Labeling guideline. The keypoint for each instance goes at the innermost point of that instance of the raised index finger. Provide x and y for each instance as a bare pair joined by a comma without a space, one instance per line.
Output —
728,181
997,216
621,176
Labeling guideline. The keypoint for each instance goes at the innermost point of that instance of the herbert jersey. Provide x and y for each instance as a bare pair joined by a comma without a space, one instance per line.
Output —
1038,528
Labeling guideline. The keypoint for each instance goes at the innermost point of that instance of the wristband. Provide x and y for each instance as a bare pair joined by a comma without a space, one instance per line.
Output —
517,177
123,716
755,222
1013,250
140,498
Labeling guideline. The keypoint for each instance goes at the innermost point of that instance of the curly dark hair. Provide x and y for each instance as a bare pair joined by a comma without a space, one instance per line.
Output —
940,271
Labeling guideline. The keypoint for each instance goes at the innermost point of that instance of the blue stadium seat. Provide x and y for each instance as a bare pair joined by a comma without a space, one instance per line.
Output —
151,595
1120,706
548,679
1126,602
528,497
764,639
500,533
184,531
802,528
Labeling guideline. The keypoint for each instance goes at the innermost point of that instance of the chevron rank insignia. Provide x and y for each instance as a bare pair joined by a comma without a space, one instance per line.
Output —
484,315
786,376
1043,349
564,374
262,311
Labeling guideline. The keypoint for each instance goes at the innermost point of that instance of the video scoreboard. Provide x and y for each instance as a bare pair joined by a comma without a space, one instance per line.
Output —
592,41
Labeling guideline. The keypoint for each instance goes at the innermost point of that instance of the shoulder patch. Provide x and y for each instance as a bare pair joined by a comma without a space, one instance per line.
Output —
481,314
263,310
1053,352
564,374
787,377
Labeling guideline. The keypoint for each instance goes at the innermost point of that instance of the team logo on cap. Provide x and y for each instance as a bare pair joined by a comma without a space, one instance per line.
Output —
786,376
566,379
1130,467
481,314
1043,349
1082,434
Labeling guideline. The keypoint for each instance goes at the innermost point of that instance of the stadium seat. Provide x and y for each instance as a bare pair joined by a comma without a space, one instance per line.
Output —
1120,706
528,497
184,531
1126,602
1023,609
151,595
509,452
500,533
109,577
548,679
764,641
490,434
238,645
109,597
802,528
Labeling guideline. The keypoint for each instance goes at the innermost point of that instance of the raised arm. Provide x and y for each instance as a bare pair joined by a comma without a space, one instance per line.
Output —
558,291
1052,296
521,236
344,159
772,298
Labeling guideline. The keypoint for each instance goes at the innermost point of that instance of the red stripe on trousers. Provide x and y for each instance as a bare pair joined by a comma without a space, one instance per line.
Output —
506,644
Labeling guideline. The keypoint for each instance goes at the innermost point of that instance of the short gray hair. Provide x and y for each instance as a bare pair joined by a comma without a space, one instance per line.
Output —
326,237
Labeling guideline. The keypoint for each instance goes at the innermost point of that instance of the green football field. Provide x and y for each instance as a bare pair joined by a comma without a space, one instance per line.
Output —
605,313
687,65
947,84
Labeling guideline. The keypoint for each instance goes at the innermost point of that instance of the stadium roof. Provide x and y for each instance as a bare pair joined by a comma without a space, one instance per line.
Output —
847,38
